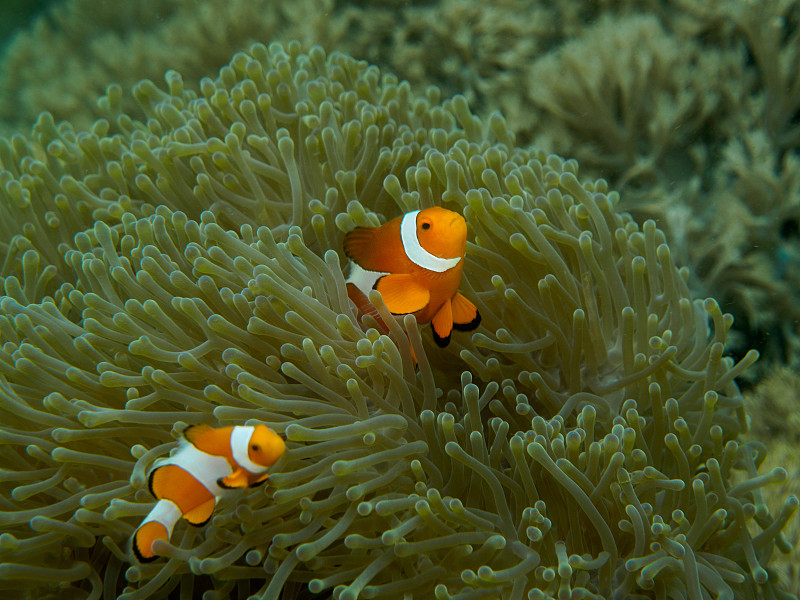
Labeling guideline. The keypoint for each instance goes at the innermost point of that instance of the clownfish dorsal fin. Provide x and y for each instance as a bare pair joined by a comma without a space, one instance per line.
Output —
359,246
199,515
194,434
442,324
377,248
402,293
465,315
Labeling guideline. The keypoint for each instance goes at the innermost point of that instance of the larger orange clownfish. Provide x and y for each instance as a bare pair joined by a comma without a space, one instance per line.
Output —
208,461
415,261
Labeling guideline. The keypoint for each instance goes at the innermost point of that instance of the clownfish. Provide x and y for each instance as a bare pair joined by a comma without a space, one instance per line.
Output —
415,261
208,461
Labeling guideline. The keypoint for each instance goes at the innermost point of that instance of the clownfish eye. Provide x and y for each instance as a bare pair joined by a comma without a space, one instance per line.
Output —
255,447
426,225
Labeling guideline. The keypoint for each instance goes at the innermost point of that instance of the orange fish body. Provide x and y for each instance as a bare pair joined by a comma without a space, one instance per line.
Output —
415,261
209,460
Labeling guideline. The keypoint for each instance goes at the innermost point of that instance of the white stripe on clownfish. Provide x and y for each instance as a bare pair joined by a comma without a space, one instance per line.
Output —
361,278
205,468
200,471
165,512
240,444
414,250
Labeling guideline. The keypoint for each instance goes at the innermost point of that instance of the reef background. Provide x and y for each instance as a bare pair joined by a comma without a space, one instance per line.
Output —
690,109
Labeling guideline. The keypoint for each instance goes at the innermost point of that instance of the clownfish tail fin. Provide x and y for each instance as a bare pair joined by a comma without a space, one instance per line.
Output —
143,540
156,526
364,306
465,315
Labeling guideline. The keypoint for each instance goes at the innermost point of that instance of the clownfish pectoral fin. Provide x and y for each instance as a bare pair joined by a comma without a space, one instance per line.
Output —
402,293
465,315
143,540
237,479
442,324
260,481
200,515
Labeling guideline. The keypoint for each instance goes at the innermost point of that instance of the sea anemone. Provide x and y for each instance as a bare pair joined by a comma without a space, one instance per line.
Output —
584,442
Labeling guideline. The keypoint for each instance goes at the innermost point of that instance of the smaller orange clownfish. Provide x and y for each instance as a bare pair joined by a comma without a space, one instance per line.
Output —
415,261
208,461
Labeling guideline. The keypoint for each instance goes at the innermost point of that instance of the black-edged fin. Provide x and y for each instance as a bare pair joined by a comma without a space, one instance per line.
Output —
200,515
442,324
203,524
138,553
221,483
150,482
465,315
402,293
236,480
260,481
440,341
194,433
471,326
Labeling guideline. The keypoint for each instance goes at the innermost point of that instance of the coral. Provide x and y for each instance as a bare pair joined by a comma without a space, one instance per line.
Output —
693,114
772,30
756,177
772,409
66,60
187,268
482,51
750,258
627,98
772,406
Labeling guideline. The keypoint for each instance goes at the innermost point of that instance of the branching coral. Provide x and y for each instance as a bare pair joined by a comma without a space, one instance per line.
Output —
71,54
772,408
65,61
628,98
482,51
773,37
582,442
751,258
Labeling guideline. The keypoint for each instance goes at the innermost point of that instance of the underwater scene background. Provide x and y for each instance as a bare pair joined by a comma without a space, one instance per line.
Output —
176,179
